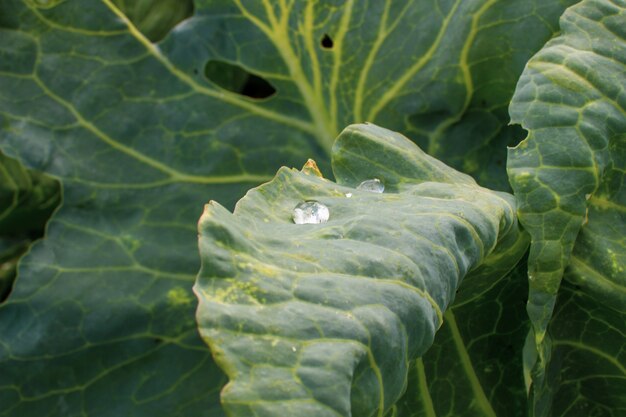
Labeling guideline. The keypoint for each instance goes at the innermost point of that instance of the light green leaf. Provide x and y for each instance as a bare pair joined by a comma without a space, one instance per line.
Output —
324,319
140,139
569,173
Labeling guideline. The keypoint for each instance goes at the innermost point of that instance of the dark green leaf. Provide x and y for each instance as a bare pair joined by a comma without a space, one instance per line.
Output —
474,367
569,174
324,319
586,375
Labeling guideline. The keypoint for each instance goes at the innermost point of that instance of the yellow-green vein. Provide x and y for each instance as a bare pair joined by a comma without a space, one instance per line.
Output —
383,31
433,142
481,400
344,24
307,33
173,174
598,280
220,95
395,89
577,345
278,33
427,402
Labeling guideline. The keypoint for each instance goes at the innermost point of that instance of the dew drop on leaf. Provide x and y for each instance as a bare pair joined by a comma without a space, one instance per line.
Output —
310,212
373,186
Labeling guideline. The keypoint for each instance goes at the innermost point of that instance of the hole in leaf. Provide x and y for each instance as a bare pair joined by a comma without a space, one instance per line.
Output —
236,79
327,42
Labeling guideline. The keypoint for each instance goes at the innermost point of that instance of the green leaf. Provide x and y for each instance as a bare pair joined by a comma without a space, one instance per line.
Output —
141,138
324,319
569,174
473,368
587,371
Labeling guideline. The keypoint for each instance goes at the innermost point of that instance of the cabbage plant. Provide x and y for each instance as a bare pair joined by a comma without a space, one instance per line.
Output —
462,191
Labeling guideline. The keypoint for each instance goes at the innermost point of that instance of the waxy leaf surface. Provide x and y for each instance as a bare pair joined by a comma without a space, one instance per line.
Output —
325,319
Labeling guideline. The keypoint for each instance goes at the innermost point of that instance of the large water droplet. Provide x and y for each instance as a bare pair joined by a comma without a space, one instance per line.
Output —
310,212
373,186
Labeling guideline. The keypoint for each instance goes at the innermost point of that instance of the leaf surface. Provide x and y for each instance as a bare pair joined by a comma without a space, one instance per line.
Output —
587,370
324,319
474,367
569,174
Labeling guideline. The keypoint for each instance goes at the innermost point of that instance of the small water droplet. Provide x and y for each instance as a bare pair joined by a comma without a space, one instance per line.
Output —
348,195
310,212
373,186
293,348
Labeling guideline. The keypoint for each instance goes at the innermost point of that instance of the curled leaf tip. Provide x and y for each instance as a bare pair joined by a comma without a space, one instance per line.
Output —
311,168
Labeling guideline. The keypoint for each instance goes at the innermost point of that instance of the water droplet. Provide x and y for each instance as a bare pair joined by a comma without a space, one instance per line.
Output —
373,186
293,348
348,195
310,212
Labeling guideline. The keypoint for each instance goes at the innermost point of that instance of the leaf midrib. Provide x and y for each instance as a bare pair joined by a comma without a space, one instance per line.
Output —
278,33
